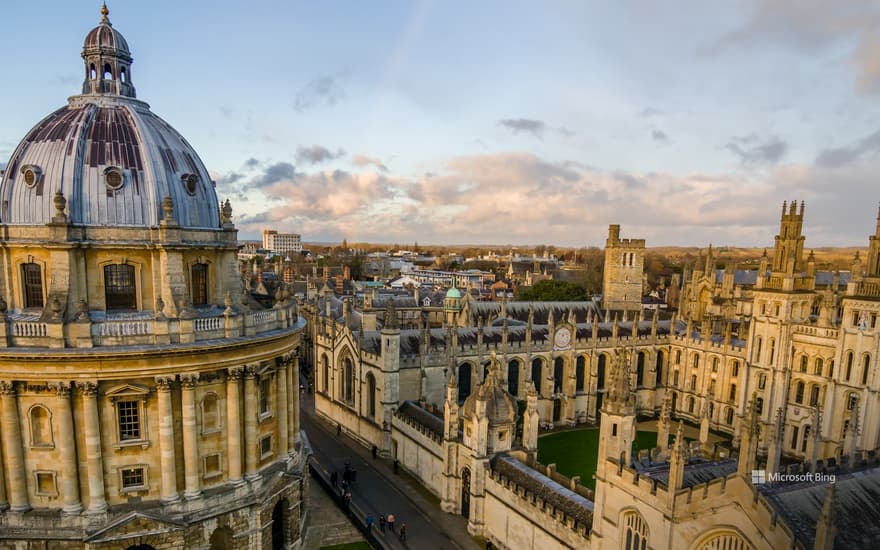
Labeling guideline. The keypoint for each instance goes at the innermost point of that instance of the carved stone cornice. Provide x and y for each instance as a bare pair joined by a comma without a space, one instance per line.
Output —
189,380
250,371
7,387
88,388
61,389
164,383
235,374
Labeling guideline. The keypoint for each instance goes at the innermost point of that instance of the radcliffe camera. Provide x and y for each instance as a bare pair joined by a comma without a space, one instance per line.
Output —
440,275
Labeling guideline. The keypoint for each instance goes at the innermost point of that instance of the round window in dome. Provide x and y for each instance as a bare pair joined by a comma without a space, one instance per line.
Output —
190,182
31,174
113,178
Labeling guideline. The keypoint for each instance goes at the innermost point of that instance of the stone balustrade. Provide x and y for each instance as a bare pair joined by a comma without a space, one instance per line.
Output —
141,328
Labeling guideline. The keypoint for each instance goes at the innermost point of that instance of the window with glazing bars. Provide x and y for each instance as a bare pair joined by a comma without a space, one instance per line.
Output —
129,420
119,287
132,477
199,284
32,277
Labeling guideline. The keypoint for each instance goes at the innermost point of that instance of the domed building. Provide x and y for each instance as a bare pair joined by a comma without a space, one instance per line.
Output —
145,402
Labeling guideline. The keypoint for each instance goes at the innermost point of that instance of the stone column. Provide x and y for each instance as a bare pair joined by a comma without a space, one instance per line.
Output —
233,424
281,406
94,462
166,441
190,435
67,445
251,458
293,436
12,448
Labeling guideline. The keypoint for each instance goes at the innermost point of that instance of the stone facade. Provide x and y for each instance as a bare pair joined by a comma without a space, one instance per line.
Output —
145,399
782,360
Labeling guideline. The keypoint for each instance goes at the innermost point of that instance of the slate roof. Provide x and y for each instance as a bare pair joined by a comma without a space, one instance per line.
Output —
748,277
562,498
541,311
420,416
695,473
857,514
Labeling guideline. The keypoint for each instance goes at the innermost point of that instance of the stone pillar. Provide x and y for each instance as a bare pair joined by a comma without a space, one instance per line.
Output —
67,445
293,405
166,441
190,435
251,458
10,426
94,462
283,411
233,424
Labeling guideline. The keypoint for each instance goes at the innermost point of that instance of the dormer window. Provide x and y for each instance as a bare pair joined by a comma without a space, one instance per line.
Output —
113,178
190,182
32,285
31,174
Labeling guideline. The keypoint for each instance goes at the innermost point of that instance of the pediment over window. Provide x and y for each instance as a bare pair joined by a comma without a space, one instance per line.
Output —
128,391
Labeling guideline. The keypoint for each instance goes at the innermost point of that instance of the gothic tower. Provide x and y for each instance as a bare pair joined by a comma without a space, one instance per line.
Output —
622,286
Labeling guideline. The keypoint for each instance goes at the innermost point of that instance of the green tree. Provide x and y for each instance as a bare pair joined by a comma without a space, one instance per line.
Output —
553,291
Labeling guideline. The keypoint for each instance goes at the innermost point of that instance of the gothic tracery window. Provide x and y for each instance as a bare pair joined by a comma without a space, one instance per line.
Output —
636,532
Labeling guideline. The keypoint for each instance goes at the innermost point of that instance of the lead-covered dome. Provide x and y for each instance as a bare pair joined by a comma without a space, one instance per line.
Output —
113,160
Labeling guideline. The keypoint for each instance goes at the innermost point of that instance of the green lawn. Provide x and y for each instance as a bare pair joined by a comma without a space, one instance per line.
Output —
575,452
349,546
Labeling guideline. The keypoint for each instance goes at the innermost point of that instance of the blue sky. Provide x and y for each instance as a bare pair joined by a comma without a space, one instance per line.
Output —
497,122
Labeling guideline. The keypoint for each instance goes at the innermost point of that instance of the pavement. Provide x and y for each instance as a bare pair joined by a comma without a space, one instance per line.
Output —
328,525
378,491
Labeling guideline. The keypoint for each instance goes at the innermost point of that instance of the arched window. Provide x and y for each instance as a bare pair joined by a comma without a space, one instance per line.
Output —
729,416
831,368
348,380
734,369
108,72
658,370
122,75
772,350
757,358
817,369
693,382
41,427
678,357
640,369
32,284
714,364
732,392
799,392
814,395
222,539
199,287
600,372
325,367
119,287
690,405
464,381
849,364
92,72
371,396
724,540
805,438
210,413
558,374
580,374
804,363
537,375
696,361
513,377
866,366
759,405
636,534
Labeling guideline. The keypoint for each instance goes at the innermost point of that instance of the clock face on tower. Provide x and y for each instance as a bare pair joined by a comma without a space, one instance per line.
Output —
563,338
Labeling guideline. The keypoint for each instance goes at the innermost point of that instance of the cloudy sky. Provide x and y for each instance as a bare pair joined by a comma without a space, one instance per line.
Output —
497,122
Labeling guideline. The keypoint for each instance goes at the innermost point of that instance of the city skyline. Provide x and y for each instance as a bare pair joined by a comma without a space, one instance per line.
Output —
446,123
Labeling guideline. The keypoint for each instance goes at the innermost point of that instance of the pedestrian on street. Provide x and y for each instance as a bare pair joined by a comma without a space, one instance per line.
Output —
375,451
489,545
396,464
334,478
391,522
369,521
347,499
403,531
382,522
338,430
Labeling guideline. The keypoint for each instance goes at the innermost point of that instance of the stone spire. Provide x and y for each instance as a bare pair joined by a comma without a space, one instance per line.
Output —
619,398
749,439
450,407
677,462
825,526
774,443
